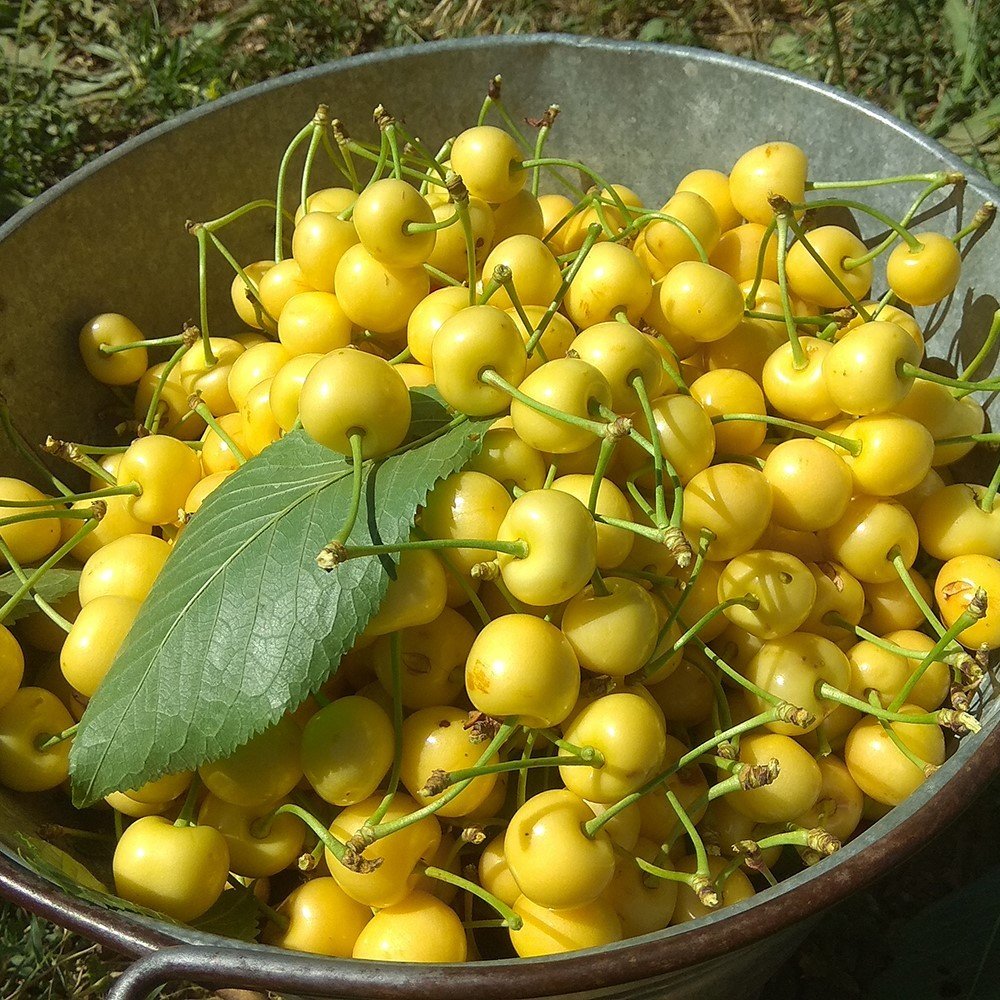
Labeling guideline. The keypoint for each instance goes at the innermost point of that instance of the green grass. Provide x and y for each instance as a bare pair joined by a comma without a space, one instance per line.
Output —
79,76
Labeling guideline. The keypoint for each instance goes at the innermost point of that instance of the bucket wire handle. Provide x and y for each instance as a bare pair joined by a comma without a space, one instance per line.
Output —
225,967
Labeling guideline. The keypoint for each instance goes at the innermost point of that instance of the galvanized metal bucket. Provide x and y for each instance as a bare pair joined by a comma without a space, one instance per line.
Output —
112,237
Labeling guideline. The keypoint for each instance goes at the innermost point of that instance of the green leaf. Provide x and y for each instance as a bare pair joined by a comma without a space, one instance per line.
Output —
54,585
233,915
73,877
242,625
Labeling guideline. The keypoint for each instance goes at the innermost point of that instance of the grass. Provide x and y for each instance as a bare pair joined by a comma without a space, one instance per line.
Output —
79,76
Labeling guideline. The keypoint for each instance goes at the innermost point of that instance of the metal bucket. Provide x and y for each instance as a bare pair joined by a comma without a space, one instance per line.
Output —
111,237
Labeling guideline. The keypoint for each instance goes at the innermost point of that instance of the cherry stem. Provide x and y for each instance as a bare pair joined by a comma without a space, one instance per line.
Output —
747,601
602,185
40,602
600,588
798,355
319,126
27,450
382,158
592,826
463,583
511,919
988,497
798,716
201,408
357,479
982,354
693,882
829,693
648,218
897,741
983,217
129,489
214,225
913,371
412,228
467,774
847,444
42,743
659,463
332,556
797,320
152,411
522,776
701,855
758,276
593,235
369,833
858,206
895,557
327,839
800,235
833,618
348,170
596,427
543,134
396,675
73,454
938,178
442,278
202,235
279,219
604,456
252,291
973,613
156,342
705,539
184,818
39,571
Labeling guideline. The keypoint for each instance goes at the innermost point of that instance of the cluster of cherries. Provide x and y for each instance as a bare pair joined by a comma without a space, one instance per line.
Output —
705,603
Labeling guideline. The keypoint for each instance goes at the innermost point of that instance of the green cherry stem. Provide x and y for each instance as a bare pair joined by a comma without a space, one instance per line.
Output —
40,602
201,235
344,147
544,127
440,780
938,178
983,217
703,889
153,415
74,454
649,217
659,463
602,185
252,292
396,674
333,555
847,444
201,408
411,228
797,320
758,275
975,610
903,571
705,538
798,356
832,618
441,278
800,235
593,235
596,427
129,489
186,815
463,583
368,834
27,450
604,456
44,743
93,516
522,776
982,354
943,716
913,371
319,126
510,918
261,828
214,225
155,342
857,206
357,479
764,718
279,219
987,499
747,601
701,855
